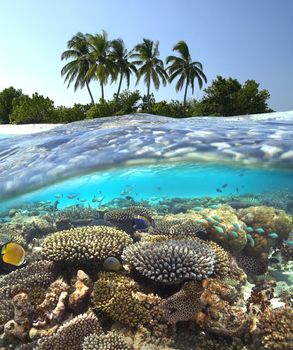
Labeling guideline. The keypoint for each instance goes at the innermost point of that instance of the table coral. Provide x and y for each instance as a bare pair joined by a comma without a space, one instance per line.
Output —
171,261
84,244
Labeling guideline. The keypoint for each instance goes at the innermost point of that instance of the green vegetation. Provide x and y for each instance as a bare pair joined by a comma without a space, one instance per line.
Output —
94,57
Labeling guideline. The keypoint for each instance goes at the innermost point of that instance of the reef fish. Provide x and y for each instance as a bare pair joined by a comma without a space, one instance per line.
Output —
72,195
214,206
273,235
112,264
218,190
234,234
12,254
197,208
141,223
216,217
259,230
236,226
250,240
219,229
224,186
249,229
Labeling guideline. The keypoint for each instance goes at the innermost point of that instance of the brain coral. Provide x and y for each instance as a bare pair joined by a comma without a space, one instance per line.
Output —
114,295
109,341
85,244
171,261
71,335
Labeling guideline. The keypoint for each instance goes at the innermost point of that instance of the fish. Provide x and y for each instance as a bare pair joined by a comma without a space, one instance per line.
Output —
216,217
219,229
289,243
129,198
58,195
241,174
273,235
224,186
218,190
214,206
12,253
197,208
236,226
158,188
82,200
112,264
259,230
235,234
250,239
249,229
72,195
55,205
141,223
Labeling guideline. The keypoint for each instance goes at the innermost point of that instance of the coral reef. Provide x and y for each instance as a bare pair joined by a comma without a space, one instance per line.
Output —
115,296
82,289
252,265
70,335
171,261
183,305
124,218
109,341
274,330
84,244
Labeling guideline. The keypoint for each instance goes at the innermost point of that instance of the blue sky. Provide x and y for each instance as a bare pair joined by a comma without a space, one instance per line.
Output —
244,39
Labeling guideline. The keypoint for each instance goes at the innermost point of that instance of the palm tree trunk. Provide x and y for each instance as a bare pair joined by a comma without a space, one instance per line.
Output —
148,96
88,89
119,87
185,94
102,89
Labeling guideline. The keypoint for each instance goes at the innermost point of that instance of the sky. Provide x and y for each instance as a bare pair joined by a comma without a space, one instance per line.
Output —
242,39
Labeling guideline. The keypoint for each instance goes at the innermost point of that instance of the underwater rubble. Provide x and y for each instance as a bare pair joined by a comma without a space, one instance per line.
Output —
175,274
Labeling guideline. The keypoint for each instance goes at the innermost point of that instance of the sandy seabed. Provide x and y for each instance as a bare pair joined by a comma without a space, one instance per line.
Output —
25,128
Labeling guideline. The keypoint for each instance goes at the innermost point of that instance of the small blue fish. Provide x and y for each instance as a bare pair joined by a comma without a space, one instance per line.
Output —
216,217
210,220
199,221
224,186
236,226
273,235
234,234
289,243
141,223
219,229
72,195
259,230
249,229
250,240
218,190
214,206
197,208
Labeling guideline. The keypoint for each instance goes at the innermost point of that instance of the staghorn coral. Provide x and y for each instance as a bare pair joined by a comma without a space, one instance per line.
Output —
85,244
70,335
115,296
123,218
171,261
274,330
109,341
183,305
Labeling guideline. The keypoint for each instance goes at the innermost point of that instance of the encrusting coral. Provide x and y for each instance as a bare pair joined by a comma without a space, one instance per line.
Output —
183,305
115,296
70,335
85,244
171,261
109,341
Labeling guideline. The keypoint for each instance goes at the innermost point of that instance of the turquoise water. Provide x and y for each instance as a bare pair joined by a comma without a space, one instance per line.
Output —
155,209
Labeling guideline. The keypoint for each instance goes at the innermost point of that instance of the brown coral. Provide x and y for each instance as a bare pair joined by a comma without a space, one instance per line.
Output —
85,244
109,341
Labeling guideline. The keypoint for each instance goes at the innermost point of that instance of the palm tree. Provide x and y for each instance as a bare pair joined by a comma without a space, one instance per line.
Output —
103,66
76,69
184,68
151,67
124,67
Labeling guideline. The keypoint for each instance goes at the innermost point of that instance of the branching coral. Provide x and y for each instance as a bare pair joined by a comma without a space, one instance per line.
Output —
83,244
70,336
115,296
109,341
274,330
171,261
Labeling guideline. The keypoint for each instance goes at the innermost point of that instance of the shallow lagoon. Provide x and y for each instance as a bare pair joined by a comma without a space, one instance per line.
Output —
196,212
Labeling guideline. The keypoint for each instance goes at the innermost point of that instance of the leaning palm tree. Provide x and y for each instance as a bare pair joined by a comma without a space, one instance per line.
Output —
76,69
124,67
103,66
150,66
184,68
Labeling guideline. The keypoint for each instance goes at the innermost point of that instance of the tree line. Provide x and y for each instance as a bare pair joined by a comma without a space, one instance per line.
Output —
94,57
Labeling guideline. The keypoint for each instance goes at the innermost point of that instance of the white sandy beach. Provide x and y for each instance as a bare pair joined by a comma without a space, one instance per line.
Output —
9,129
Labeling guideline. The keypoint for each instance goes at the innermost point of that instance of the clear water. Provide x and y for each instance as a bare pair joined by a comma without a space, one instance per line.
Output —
176,169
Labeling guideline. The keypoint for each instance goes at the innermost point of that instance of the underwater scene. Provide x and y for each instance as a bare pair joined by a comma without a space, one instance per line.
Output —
142,232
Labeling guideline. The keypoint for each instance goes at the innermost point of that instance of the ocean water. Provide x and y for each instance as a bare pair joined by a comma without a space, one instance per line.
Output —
172,187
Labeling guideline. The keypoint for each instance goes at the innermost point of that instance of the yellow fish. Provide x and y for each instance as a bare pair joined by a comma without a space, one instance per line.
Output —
13,254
